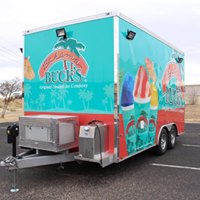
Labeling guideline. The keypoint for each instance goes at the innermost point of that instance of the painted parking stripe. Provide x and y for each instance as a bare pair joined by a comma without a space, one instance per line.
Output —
175,166
191,145
3,127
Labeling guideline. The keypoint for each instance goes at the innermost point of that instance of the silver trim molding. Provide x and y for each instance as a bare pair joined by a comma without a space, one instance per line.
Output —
168,126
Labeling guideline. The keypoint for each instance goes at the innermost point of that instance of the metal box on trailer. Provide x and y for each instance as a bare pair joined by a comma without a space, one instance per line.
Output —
93,141
48,132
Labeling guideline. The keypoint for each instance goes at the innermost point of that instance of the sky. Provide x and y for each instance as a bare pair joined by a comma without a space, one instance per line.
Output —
176,21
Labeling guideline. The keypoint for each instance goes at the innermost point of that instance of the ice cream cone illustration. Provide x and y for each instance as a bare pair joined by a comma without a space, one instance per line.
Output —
127,106
142,95
28,70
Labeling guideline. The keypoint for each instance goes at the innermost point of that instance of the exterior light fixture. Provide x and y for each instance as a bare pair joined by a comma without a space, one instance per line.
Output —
61,33
179,60
130,35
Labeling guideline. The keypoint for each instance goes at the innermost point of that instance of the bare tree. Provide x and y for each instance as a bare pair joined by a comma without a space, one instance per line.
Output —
6,90
192,96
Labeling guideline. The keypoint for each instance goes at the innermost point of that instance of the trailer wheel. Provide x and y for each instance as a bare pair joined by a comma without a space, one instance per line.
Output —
161,148
172,138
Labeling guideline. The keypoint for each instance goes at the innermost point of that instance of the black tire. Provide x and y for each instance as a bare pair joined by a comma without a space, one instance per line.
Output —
172,138
161,148
80,162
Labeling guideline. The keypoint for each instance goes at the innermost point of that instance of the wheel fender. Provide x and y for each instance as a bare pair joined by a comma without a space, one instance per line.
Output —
167,127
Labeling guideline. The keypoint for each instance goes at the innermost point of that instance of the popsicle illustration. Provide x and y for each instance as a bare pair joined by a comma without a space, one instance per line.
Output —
154,96
28,70
150,68
141,91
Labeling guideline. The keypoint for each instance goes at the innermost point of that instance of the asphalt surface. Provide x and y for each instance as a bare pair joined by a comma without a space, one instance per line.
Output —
134,178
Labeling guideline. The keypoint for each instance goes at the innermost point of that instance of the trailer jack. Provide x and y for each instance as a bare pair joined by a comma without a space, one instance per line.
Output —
14,188
34,158
10,163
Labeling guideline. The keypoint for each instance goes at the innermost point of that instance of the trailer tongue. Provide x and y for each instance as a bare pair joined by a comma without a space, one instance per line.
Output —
100,89
60,133
54,139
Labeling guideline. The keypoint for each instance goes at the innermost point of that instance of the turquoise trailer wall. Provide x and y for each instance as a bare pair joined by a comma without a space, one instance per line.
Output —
73,75
151,86
76,76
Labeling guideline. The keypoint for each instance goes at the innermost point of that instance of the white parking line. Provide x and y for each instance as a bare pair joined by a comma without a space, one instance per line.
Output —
191,145
3,127
175,166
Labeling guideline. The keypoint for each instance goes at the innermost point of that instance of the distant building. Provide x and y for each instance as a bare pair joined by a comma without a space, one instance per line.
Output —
192,94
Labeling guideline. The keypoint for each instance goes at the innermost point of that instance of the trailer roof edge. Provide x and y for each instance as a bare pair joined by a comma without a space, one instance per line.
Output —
122,16
69,22
100,16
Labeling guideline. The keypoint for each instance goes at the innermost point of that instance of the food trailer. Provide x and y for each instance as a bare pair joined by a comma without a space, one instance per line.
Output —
98,89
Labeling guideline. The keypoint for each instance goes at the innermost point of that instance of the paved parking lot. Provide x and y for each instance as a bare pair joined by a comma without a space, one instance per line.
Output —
176,175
